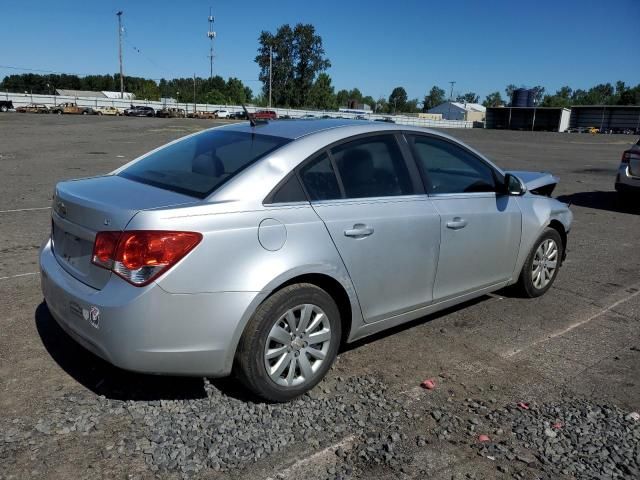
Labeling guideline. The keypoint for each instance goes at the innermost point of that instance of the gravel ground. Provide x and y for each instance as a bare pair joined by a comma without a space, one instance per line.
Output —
219,431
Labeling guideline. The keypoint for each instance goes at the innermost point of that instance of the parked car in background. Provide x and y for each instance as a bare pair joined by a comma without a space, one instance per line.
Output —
33,108
339,230
139,111
6,105
107,111
628,177
265,115
202,115
385,119
239,115
71,108
171,113
222,113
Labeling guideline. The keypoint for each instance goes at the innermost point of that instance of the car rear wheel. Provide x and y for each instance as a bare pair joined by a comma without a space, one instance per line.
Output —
3,108
542,265
290,343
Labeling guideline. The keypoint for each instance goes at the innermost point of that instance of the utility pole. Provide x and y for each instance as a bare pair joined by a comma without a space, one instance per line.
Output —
194,93
453,82
119,14
211,35
270,69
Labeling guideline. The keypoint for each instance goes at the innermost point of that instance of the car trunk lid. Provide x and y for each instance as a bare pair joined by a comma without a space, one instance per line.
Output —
81,208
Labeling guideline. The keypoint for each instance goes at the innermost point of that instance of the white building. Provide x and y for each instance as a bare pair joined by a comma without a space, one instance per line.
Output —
471,112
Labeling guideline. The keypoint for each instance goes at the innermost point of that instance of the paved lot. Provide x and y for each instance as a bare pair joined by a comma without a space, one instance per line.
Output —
576,347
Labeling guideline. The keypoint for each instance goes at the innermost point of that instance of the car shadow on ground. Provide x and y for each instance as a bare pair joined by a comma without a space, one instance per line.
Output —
103,378
610,201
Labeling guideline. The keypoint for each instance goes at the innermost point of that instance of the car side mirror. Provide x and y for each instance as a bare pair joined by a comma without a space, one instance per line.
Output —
513,185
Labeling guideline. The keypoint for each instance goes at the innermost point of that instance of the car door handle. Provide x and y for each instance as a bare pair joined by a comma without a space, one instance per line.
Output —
359,230
457,223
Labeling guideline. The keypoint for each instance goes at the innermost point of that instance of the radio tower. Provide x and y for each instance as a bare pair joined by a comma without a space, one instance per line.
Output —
211,34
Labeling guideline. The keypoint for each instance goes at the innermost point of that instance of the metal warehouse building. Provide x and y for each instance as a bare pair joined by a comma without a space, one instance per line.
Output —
471,112
549,119
607,117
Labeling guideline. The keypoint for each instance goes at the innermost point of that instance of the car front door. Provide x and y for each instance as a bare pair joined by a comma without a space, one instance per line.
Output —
385,228
481,227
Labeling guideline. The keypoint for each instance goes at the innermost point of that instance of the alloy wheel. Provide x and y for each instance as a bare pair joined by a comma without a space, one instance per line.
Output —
545,263
297,345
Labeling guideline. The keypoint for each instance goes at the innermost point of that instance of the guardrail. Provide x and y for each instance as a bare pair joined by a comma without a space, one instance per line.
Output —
20,99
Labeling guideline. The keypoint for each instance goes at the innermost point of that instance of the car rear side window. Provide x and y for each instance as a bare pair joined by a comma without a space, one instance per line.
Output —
320,180
198,165
449,168
372,167
289,191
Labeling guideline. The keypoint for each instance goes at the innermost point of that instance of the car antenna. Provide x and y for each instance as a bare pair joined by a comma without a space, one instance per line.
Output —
246,112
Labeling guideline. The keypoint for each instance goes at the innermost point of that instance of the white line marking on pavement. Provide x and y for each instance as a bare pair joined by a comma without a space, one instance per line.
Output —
318,457
24,209
572,326
19,275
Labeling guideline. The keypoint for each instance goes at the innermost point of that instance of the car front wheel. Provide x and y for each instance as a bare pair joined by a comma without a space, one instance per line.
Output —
290,343
542,265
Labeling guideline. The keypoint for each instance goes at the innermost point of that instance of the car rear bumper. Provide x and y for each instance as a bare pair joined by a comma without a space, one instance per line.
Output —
625,182
147,329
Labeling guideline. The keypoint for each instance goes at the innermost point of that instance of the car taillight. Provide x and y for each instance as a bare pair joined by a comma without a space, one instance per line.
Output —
626,157
140,256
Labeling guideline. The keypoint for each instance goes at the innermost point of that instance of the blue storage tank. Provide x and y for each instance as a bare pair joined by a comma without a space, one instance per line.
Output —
531,98
520,97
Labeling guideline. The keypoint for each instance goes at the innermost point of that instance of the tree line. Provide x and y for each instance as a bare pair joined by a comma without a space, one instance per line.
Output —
293,65
207,90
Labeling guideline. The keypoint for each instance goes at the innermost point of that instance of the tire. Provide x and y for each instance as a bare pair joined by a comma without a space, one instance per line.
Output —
3,108
59,112
548,251
99,114
85,112
296,376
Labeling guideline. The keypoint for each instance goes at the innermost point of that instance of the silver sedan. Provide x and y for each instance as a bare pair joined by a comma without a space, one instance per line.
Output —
259,249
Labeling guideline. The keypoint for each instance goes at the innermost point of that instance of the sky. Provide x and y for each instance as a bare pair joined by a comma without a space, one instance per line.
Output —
374,45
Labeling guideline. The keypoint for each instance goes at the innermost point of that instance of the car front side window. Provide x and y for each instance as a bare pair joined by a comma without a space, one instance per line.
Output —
449,168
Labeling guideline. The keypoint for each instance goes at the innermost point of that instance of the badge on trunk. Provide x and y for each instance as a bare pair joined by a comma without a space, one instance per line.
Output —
92,316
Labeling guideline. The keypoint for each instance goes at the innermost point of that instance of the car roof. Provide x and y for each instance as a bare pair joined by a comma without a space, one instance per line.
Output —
294,129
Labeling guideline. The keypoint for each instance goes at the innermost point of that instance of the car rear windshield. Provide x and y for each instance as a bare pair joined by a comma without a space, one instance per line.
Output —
199,164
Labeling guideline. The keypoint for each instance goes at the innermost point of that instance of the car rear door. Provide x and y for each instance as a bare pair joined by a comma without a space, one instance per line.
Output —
481,228
385,228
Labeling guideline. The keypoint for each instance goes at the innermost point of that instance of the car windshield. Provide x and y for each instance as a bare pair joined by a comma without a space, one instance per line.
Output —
199,164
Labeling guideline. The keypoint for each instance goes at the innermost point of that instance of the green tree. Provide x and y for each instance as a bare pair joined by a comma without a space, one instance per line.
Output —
600,94
412,106
322,94
509,89
398,100
538,94
368,100
435,97
381,105
298,57
468,97
562,98
235,91
493,100
342,98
